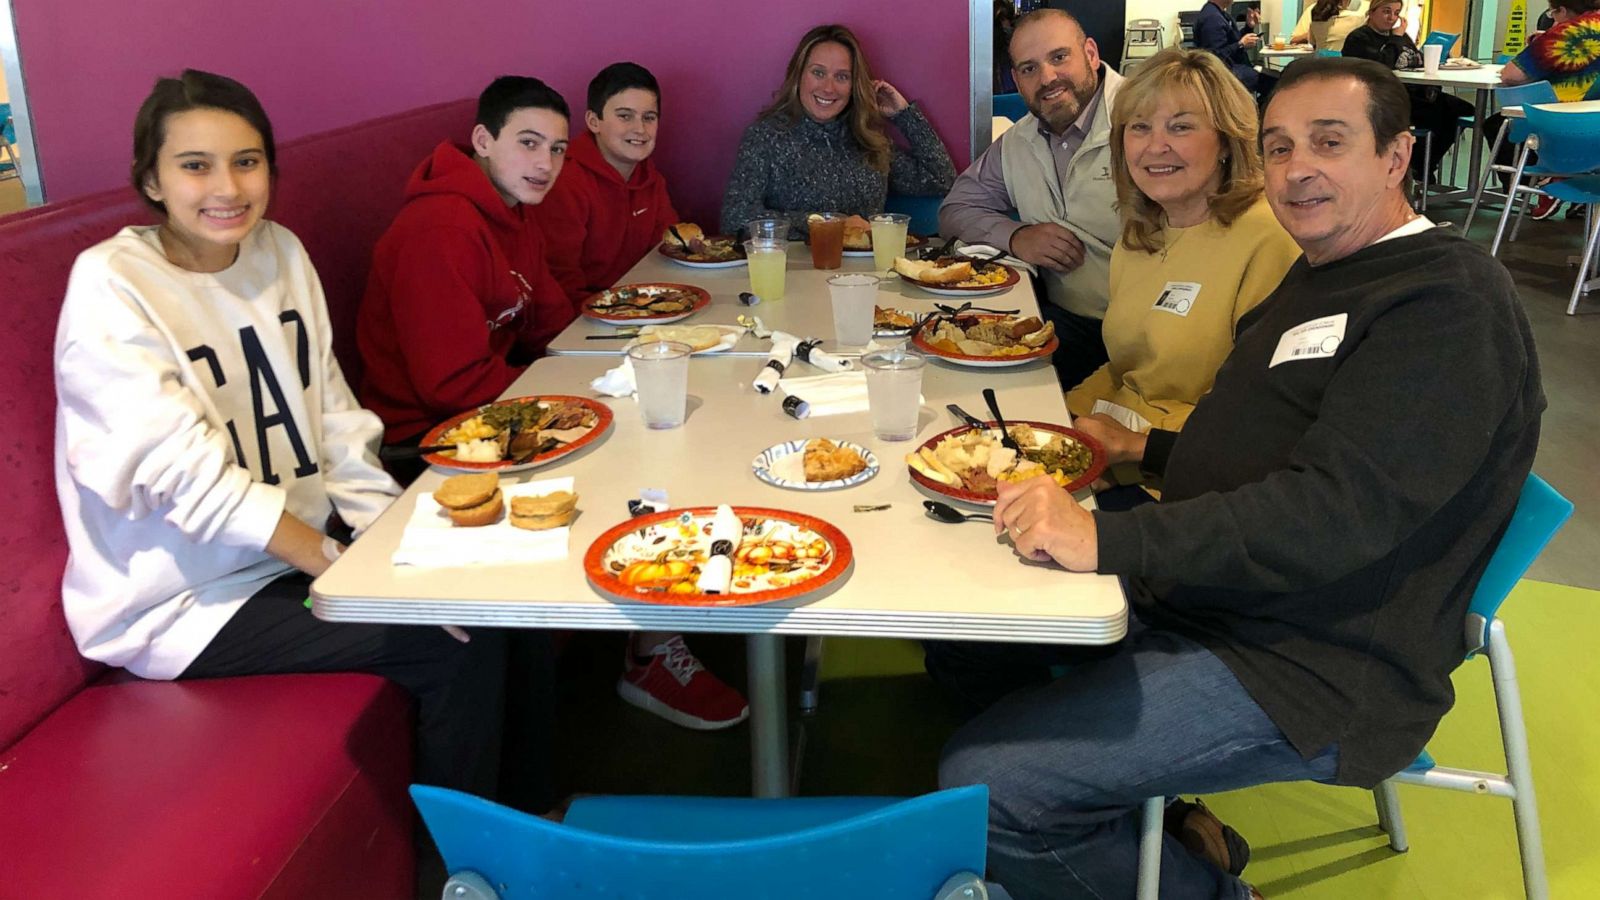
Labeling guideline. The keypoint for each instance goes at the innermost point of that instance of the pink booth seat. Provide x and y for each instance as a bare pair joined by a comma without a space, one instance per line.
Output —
263,785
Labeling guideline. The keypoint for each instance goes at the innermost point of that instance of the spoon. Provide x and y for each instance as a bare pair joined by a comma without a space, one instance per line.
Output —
944,512
1005,433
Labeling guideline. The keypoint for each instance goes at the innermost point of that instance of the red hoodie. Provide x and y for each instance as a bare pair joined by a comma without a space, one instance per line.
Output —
458,283
596,225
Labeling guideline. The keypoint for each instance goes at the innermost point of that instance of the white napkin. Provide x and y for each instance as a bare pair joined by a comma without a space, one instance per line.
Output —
431,540
985,250
618,382
831,395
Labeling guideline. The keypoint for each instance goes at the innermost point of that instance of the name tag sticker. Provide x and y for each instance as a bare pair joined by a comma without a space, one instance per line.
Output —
1315,339
1178,297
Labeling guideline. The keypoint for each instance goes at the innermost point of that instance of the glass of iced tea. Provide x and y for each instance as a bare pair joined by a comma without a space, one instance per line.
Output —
827,240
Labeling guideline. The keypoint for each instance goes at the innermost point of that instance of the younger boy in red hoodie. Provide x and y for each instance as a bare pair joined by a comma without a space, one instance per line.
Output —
459,299
610,208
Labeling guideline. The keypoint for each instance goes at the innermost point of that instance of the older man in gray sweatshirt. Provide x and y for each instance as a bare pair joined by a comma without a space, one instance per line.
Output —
1052,171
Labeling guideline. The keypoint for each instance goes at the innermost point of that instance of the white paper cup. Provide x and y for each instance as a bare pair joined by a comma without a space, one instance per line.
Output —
894,392
661,370
1430,59
854,296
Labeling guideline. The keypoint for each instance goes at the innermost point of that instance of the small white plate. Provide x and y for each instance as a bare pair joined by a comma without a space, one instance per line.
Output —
917,318
783,465
730,337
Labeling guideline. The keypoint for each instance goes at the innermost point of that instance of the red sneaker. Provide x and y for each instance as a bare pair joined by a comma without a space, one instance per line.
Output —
676,687
1543,207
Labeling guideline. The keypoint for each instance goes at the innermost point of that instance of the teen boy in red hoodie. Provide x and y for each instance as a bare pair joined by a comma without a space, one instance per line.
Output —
610,208
459,299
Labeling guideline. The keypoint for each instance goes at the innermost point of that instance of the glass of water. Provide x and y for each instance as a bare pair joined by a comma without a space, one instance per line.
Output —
894,391
854,296
661,371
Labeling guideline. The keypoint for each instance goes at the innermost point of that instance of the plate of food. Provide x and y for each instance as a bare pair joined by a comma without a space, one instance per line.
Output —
656,558
890,322
967,463
700,338
858,238
517,434
654,303
986,340
818,464
954,276
688,245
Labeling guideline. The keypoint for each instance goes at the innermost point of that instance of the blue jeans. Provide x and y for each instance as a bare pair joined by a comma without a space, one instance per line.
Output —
1069,760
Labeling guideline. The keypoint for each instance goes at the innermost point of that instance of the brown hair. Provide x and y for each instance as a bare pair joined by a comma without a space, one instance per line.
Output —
866,123
193,89
1576,7
1326,9
1228,109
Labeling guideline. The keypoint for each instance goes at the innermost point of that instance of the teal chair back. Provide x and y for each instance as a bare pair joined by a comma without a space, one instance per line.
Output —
1569,142
715,848
924,211
1523,95
1326,53
1010,105
1540,513
1442,39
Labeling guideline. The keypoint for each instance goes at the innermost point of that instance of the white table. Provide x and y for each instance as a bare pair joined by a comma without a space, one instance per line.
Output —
1578,106
1482,80
912,577
1286,55
804,311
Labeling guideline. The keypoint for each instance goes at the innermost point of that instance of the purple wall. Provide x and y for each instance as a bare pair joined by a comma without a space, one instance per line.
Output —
317,65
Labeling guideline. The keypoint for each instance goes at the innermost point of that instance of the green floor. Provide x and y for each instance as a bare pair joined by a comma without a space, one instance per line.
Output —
881,725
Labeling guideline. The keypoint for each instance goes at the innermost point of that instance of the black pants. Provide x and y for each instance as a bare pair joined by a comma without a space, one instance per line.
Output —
1440,113
1082,348
459,688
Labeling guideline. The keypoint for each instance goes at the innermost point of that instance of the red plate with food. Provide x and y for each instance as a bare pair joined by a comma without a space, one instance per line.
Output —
656,558
967,463
986,340
956,276
652,303
546,428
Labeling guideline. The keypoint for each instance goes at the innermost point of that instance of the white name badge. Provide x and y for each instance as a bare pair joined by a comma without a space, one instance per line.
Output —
1311,340
1178,297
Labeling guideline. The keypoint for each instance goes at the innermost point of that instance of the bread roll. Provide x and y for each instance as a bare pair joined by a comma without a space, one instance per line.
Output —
689,231
545,511
464,491
929,273
485,513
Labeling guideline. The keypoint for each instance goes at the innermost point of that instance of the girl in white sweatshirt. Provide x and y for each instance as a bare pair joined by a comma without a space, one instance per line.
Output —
206,442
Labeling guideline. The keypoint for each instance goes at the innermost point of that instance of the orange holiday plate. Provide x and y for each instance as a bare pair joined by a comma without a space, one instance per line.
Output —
949,463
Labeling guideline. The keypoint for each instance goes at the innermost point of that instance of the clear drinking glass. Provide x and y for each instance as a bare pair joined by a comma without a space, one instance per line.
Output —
661,371
888,239
768,259
894,391
853,298
773,228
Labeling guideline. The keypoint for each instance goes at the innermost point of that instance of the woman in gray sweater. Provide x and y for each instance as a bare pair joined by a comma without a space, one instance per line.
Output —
821,145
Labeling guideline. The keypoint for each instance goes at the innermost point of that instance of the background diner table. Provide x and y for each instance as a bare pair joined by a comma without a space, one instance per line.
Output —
911,577
1482,81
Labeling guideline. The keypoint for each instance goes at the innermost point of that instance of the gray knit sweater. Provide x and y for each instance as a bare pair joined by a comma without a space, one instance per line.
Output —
794,169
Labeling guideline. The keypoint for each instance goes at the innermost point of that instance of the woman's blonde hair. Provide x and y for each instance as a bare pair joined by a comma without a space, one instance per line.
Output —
1228,109
866,123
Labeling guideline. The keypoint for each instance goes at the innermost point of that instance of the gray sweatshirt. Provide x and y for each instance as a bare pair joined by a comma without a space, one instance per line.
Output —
793,169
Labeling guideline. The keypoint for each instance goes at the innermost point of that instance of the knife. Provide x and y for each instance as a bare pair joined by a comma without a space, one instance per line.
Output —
716,574
969,418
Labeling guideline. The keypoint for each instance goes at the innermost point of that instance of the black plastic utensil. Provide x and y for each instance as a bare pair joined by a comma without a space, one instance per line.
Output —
944,512
673,230
971,420
1005,433
389,453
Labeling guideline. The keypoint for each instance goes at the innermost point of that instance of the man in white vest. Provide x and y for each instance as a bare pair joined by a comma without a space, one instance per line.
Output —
1052,170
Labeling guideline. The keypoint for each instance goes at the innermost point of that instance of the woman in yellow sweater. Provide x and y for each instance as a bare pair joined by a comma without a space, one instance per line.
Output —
1199,249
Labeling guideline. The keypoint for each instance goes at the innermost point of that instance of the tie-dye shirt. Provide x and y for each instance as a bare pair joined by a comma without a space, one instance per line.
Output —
1567,56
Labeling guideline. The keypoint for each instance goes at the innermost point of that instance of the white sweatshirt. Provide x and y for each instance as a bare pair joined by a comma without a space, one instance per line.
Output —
192,410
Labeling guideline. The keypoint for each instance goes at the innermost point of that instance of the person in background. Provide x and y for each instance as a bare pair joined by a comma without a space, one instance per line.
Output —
1215,31
1200,248
1044,191
459,299
1354,10
1566,54
210,458
1383,40
610,205
1297,594
821,146
1005,20
1331,23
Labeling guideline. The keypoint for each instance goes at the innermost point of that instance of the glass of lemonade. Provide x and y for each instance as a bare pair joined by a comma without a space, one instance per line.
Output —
853,298
827,240
661,371
894,391
768,259
888,239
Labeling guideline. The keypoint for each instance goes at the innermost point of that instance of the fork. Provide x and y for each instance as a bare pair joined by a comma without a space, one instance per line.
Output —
1005,432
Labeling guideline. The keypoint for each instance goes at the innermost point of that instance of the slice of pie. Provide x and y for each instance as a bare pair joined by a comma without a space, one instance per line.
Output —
827,461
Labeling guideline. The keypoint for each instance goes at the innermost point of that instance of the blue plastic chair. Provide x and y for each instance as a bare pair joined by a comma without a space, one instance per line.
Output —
1513,131
710,847
924,211
1328,53
1569,150
1442,39
1010,105
1540,513
8,145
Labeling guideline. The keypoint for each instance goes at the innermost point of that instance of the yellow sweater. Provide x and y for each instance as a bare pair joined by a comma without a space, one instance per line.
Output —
1164,356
